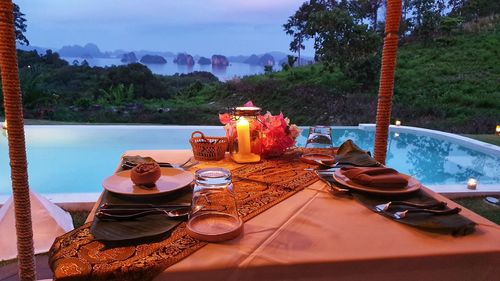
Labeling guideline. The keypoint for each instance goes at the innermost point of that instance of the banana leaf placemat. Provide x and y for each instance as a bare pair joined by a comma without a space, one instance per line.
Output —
454,224
146,228
77,255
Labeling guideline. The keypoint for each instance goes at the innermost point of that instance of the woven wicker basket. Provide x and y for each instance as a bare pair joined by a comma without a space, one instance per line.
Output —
208,148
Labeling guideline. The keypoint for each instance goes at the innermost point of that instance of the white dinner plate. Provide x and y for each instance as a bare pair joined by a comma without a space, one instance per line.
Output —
171,180
413,185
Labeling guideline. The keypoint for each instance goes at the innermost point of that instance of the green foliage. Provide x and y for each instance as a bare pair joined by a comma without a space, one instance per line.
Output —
450,23
116,95
268,69
20,25
341,38
450,83
452,86
474,9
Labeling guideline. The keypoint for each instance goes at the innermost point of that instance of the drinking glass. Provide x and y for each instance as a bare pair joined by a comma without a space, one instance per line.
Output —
319,137
214,214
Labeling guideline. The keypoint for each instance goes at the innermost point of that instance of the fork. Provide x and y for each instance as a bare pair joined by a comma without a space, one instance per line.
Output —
185,165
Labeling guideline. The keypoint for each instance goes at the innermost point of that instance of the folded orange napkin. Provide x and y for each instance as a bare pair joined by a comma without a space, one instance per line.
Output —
376,177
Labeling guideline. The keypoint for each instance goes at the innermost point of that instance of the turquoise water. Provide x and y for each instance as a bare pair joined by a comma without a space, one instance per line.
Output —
65,159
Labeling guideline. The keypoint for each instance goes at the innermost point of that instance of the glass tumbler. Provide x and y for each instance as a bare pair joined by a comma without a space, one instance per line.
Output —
214,215
319,137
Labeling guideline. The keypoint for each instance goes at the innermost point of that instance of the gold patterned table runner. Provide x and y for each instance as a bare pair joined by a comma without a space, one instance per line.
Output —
76,255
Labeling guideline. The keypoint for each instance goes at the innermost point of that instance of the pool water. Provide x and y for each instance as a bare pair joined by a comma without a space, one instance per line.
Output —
75,159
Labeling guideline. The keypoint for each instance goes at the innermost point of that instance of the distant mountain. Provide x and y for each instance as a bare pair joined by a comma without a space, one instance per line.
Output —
219,60
90,50
164,54
253,59
277,55
129,58
204,61
153,59
240,58
184,59
303,61
266,59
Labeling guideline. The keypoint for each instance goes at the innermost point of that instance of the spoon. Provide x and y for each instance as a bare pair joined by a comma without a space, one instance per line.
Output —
127,214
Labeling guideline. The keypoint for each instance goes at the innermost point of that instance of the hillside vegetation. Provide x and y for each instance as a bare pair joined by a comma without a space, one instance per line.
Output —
449,84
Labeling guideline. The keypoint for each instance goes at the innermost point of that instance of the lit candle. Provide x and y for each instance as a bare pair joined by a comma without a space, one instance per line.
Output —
497,130
398,122
243,130
4,125
472,184
244,154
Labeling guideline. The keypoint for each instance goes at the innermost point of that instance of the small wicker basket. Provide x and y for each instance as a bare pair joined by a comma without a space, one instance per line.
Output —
208,148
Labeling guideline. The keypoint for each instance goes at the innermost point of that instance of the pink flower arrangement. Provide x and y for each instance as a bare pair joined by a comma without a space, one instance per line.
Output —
277,133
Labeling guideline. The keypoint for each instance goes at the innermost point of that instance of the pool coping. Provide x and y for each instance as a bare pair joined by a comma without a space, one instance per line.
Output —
85,201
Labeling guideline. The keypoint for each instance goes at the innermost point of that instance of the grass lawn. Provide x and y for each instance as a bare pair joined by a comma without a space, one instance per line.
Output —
479,206
493,139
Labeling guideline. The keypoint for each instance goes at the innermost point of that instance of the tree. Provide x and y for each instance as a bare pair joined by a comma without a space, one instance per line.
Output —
296,25
367,9
427,17
341,37
473,9
20,25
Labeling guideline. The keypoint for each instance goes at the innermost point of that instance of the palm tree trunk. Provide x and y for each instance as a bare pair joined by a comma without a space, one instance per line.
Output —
17,152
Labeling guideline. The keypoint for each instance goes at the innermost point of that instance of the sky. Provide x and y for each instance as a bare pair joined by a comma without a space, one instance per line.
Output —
201,27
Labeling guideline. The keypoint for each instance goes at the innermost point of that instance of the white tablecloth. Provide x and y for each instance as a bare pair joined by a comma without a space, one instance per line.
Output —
314,235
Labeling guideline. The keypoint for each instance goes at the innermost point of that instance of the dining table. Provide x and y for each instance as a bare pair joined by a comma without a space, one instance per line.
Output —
315,234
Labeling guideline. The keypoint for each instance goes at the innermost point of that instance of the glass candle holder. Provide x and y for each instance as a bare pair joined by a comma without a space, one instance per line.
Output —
245,135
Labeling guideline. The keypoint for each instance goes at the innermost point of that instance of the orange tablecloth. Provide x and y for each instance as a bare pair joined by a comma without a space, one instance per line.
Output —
316,236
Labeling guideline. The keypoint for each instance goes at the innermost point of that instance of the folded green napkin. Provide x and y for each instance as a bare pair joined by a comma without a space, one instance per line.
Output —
455,224
350,153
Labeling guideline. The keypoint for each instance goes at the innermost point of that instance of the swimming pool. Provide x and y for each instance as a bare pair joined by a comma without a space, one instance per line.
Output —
75,159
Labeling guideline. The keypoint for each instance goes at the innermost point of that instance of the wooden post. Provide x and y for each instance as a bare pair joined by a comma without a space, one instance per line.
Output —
17,151
385,92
